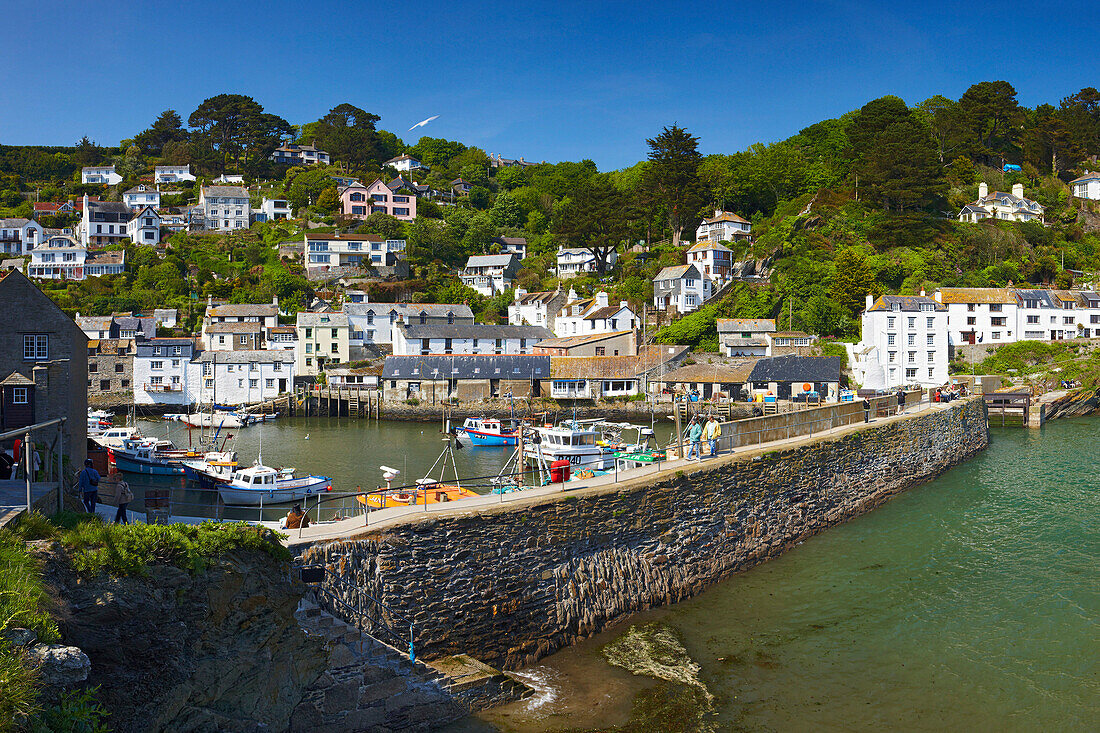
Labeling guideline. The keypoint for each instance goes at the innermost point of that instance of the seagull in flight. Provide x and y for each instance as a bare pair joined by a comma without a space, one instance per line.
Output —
423,122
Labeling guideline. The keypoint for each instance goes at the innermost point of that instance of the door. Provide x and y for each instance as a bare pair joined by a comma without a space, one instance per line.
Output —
783,390
969,337
282,385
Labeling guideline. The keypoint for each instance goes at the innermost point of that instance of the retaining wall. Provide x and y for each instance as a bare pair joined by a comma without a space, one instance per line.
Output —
511,584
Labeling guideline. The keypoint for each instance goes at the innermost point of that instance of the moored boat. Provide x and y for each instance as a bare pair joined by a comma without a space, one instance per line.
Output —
426,491
260,484
212,469
572,441
488,431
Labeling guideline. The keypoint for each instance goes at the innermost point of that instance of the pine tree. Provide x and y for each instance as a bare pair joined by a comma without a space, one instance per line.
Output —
671,180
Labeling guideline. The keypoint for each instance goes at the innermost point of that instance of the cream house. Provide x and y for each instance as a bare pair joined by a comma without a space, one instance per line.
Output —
1000,205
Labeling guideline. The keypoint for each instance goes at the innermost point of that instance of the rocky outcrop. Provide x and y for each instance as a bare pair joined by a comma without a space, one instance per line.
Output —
1078,404
220,650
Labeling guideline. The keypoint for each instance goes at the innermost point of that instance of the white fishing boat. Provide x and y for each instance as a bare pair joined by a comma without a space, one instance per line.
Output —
212,420
260,484
115,437
211,470
573,441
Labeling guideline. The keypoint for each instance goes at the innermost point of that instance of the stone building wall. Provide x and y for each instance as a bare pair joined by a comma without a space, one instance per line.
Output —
511,584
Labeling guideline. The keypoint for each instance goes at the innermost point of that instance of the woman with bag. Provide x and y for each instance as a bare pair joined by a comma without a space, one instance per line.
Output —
125,496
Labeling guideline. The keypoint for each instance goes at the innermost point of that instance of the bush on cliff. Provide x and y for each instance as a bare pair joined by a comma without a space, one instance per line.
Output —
96,547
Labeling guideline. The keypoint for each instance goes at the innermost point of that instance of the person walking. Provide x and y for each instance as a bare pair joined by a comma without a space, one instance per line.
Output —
695,437
125,496
901,400
712,431
866,410
88,480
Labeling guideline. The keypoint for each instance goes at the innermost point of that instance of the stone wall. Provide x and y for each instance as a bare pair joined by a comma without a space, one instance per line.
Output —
511,584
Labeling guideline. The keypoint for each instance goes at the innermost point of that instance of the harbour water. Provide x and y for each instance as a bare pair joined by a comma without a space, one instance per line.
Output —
350,451
969,603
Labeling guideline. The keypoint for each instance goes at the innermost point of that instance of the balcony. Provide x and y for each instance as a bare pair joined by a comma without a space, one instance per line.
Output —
163,387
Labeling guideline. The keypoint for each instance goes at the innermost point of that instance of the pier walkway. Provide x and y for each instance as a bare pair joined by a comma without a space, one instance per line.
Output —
325,531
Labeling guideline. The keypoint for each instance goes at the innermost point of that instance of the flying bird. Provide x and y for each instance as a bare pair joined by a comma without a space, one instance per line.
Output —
423,122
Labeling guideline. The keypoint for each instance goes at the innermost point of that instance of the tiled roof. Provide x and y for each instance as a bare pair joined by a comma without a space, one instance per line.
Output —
242,309
225,191
491,260
790,334
343,237
475,330
236,327
1093,176
106,257
467,366
15,379
595,367
976,295
727,216
703,246
564,342
286,356
725,372
323,320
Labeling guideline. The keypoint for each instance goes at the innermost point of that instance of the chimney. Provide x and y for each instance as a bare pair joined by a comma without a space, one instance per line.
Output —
623,304
572,295
717,212
1018,190
983,190
520,292
601,299
275,301
870,301
210,301
922,293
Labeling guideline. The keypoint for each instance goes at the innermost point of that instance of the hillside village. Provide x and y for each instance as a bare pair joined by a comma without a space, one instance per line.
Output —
226,262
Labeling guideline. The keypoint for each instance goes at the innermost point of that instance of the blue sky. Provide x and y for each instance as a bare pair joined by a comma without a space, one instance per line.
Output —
548,81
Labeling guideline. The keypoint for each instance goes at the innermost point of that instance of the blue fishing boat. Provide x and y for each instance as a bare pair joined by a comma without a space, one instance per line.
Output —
488,431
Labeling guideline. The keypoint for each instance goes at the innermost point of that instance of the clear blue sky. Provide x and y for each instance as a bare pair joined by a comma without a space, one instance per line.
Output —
548,81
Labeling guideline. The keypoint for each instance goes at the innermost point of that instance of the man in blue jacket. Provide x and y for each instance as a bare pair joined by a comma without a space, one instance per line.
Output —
88,479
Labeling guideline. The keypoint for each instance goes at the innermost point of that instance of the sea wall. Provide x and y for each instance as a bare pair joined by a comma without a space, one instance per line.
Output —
511,584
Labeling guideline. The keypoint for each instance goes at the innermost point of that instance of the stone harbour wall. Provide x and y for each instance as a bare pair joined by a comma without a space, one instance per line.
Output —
511,584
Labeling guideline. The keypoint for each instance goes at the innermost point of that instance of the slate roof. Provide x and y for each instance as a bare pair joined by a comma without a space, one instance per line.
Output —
1043,296
564,342
106,257
540,297
234,327
703,246
331,319
490,260
225,191
343,237
977,295
739,325
141,188
410,310
475,330
605,312
1093,176
467,366
673,273
14,223
514,241
94,323
15,379
111,207
907,302
723,373
796,369
613,367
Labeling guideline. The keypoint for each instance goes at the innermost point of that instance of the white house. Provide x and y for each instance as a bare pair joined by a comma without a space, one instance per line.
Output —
372,324
163,372
294,154
513,246
1000,205
225,207
172,173
62,257
574,261
229,178
490,274
724,226
19,236
144,227
681,288
104,223
100,174
745,336
904,343
1045,315
536,309
322,339
980,315
274,210
466,338
140,196
713,259
405,163
326,251
1087,186
165,317
582,317
244,377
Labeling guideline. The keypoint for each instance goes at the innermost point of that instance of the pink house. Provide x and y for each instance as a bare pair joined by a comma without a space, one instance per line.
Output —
361,201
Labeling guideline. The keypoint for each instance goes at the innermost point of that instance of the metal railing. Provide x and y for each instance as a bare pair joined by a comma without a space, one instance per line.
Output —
27,460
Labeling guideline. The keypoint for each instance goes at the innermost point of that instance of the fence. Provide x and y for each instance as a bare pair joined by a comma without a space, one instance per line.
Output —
54,450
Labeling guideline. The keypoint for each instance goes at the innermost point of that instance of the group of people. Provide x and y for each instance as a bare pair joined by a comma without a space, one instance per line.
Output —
700,429
949,393
88,480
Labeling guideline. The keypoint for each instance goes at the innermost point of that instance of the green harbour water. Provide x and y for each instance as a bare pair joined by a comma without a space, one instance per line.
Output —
969,603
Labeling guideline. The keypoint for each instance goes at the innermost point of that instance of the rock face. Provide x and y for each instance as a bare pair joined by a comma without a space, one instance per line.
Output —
512,584
1077,404
218,651
59,667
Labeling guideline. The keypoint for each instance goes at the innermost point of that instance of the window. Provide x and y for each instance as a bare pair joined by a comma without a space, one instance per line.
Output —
269,383
889,339
334,348
970,307
253,366
996,335
910,373
156,380
931,322
20,395
1068,321
994,307
175,362
36,347
892,356
253,383
931,356
999,321
1035,319
93,367
277,366
971,321
156,365
206,369
912,356
175,380
243,339
912,339
890,321
221,339
309,333
118,369
927,306
912,321
309,361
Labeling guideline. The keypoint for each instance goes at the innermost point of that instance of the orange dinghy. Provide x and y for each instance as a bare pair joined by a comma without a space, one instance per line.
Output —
426,492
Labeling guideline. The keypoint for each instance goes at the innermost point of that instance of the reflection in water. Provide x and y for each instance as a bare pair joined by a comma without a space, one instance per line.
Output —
968,603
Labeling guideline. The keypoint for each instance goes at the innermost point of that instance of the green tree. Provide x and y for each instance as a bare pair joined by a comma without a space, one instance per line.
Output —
671,179
853,279
168,127
947,123
479,197
505,211
993,116
1081,114
233,127
593,220
349,135
383,225
894,155
328,201
1048,141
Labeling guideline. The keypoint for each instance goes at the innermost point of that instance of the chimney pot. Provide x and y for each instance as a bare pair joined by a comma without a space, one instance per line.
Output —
983,190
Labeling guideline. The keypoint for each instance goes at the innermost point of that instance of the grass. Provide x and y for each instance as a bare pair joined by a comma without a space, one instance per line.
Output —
130,549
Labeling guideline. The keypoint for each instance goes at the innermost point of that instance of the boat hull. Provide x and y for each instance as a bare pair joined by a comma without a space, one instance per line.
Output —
477,437
283,493
126,464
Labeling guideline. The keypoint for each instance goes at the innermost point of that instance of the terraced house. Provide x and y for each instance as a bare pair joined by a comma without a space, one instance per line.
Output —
224,208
